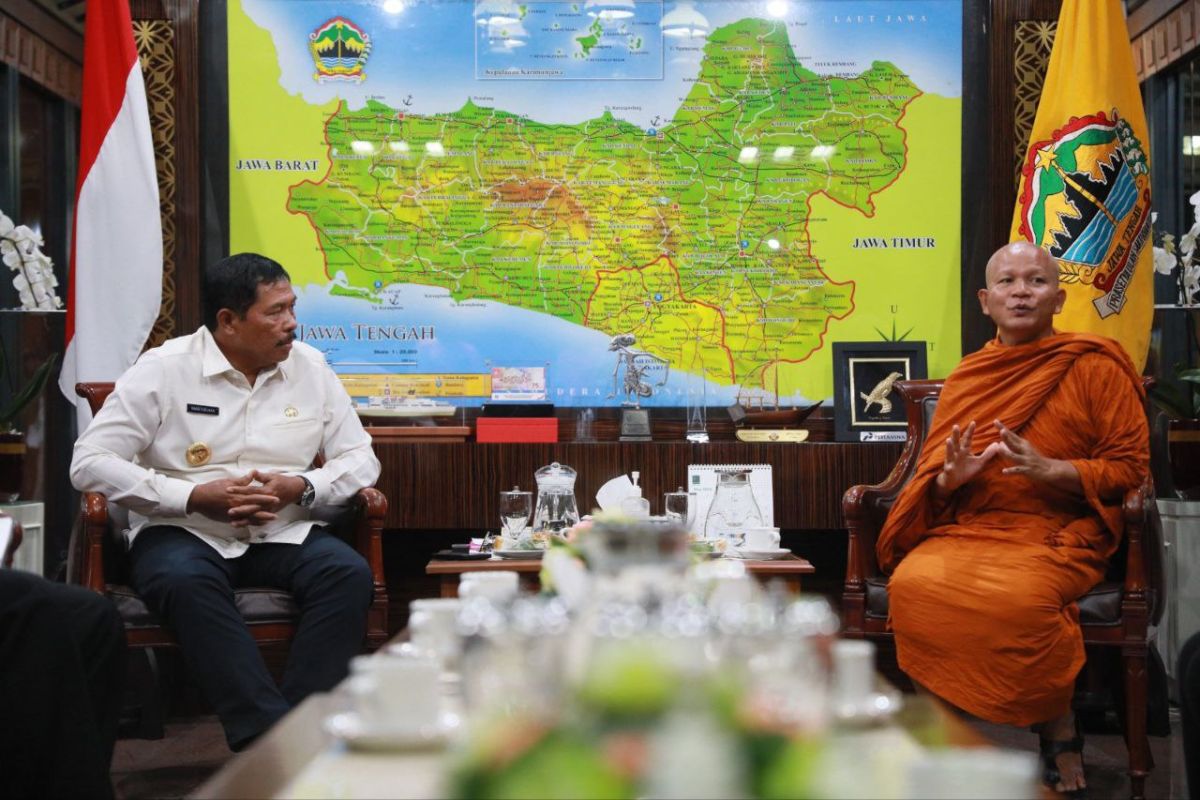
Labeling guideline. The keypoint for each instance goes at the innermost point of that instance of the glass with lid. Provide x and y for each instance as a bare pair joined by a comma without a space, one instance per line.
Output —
556,508
733,508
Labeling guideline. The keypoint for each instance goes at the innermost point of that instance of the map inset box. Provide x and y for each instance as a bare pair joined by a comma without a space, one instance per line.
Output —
555,40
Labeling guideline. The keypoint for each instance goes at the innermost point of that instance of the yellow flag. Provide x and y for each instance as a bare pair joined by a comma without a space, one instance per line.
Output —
1085,183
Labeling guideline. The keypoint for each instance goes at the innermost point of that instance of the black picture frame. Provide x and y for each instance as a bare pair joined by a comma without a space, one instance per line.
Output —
859,368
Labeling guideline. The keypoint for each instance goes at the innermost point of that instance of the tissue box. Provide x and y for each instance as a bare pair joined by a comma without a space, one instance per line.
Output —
516,429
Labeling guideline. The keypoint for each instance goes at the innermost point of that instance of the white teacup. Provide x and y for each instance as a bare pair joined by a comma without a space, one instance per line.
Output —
498,587
761,539
433,627
853,672
397,693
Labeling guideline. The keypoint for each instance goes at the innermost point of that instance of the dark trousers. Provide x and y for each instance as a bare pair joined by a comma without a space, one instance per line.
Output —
1189,711
62,665
190,585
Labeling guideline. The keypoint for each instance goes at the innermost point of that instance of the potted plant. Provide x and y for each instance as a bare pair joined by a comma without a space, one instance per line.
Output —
1181,401
34,280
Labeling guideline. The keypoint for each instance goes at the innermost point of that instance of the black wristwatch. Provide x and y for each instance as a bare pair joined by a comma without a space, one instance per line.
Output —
308,495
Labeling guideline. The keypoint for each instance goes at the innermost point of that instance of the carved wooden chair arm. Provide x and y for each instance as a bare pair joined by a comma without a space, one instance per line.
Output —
370,508
857,505
95,527
1143,559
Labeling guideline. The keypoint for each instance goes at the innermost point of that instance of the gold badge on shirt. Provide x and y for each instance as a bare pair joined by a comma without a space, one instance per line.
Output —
291,412
198,454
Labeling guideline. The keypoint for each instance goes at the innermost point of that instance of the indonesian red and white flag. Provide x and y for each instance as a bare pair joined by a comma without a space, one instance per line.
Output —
116,251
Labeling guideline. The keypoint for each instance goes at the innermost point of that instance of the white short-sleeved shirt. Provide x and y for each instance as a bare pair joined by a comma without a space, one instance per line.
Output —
185,394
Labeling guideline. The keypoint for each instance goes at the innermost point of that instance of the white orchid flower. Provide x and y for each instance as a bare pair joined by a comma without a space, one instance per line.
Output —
21,251
25,234
1164,262
1191,283
1188,243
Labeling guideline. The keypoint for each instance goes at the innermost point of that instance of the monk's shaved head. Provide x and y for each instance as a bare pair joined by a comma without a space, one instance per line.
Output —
1021,251
1022,294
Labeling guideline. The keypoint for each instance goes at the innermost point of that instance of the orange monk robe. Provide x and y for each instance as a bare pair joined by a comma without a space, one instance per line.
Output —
983,588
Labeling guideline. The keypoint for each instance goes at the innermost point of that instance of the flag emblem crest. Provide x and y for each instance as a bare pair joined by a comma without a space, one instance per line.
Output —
339,50
1086,200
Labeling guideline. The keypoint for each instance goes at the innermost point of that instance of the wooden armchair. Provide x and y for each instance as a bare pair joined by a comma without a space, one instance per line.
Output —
1120,613
97,560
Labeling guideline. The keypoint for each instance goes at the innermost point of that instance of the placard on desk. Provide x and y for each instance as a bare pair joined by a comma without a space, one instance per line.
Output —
516,429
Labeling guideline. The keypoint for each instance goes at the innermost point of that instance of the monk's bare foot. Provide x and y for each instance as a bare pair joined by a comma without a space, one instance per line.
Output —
1068,762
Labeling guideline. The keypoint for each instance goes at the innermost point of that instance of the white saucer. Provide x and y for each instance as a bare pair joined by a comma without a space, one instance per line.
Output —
871,708
759,555
519,555
359,735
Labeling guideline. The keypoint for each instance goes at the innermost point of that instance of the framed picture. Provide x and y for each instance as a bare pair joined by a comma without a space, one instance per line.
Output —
866,405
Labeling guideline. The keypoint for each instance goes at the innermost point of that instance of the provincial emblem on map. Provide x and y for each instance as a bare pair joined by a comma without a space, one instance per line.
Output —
339,49
1087,202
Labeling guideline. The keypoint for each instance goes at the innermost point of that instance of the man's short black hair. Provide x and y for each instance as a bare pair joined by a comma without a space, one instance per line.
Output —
233,283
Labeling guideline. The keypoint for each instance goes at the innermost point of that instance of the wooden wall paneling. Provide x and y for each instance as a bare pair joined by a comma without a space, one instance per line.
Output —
1170,38
1149,13
456,486
1188,18
994,125
179,159
46,27
50,57
184,15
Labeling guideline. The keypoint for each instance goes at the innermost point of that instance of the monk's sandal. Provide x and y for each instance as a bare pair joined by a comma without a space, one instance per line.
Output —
1050,750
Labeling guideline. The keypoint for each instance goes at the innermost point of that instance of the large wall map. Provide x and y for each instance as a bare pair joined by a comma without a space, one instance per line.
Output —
457,187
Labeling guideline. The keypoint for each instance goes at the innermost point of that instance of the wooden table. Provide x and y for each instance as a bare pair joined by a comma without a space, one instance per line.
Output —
299,758
789,569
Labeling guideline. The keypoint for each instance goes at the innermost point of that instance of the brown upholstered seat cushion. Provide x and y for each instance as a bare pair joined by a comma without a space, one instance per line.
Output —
255,605
1100,606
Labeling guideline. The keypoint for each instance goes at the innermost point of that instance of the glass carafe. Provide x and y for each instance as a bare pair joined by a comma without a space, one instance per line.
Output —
556,509
733,508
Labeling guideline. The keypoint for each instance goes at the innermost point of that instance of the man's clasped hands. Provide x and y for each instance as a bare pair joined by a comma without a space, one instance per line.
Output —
253,499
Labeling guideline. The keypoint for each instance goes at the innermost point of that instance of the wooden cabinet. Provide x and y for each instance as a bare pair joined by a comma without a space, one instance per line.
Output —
456,486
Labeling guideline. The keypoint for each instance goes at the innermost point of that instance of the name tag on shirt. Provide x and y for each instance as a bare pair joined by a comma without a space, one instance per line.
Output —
196,408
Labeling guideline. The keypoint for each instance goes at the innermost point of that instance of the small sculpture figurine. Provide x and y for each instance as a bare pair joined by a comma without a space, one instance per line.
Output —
879,395
637,363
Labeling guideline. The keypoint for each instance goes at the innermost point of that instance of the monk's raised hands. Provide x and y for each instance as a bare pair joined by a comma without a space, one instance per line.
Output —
1028,461
961,464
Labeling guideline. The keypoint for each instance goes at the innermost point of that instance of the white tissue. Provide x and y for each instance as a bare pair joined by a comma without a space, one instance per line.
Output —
614,491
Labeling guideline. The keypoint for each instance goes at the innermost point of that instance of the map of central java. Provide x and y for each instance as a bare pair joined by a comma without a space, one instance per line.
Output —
731,234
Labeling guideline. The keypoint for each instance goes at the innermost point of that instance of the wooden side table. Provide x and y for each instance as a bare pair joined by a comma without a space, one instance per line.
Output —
790,569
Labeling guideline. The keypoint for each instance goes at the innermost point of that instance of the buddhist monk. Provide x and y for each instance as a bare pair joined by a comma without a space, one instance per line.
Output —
1014,511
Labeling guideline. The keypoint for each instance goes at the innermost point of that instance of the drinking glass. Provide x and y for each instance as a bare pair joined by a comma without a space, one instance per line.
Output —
515,508
680,506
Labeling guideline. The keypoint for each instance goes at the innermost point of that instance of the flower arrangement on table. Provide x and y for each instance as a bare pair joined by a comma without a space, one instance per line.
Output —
637,728
639,724
608,542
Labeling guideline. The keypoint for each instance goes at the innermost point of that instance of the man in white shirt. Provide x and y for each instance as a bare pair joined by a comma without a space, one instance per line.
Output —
209,441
